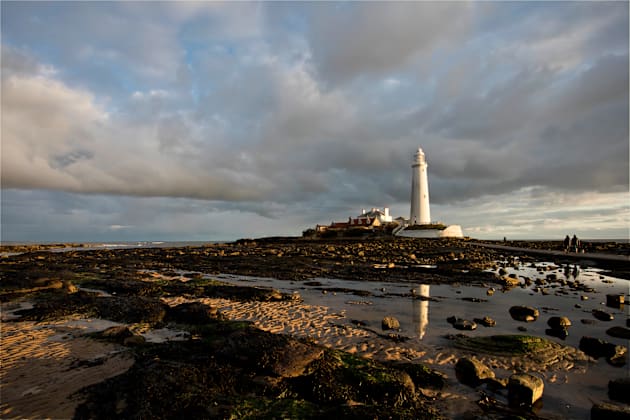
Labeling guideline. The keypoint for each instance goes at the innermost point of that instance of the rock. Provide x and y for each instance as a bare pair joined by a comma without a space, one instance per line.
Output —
464,324
608,411
594,347
472,372
134,340
583,297
524,313
521,328
524,389
193,313
557,322
615,301
490,291
461,324
509,282
486,321
619,332
561,333
390,323
421,375
69,287
118,332
602,315
619,389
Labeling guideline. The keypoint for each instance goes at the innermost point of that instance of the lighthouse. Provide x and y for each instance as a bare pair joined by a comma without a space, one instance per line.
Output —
420,213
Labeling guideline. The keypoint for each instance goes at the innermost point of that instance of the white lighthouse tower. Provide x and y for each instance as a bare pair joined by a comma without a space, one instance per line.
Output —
420,212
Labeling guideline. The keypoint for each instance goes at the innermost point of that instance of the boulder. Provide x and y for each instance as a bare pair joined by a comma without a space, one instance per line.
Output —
472,372
193,313
390,323
597,348
602,315
118,332
556,322
608,411
561,333
524,389
134,340
619,332
524,313
619,390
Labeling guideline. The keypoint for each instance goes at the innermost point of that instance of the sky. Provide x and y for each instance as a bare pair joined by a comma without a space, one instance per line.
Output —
211,121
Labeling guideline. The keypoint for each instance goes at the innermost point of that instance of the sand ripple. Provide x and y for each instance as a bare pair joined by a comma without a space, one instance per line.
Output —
42,368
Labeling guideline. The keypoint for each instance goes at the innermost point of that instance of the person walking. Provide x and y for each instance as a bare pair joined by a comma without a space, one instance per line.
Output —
566,243
575,243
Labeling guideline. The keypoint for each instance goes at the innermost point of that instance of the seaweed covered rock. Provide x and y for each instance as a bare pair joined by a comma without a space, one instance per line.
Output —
421,375
198,379
269,354
339,377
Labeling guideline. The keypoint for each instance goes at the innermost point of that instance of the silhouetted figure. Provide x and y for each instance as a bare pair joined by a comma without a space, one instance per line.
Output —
566,243
575,244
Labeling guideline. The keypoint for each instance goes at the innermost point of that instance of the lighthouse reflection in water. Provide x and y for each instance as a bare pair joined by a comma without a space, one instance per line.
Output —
421,310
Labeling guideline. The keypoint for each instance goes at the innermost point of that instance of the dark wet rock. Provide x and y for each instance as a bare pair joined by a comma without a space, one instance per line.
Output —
561,333
486,321
118,333
521,328
615,301
192,313
524,313
134,340
282,356
472,372
597,348
588,321
619,390
390,323
619,332
524,389
602,315
610,411
557,322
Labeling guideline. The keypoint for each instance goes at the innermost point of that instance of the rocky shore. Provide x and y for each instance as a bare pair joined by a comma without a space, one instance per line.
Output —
149,332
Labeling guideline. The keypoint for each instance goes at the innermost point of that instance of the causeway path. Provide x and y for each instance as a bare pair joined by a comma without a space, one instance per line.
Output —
592,256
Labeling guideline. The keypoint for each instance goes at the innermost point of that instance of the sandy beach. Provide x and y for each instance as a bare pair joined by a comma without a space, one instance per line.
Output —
44,365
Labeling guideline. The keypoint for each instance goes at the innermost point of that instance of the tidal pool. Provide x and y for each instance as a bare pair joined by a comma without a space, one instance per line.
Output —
570,395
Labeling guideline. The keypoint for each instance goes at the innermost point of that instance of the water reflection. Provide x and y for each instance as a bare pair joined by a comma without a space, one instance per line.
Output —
421,310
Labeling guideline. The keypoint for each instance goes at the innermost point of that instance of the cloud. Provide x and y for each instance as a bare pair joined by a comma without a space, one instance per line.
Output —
371,38
314,109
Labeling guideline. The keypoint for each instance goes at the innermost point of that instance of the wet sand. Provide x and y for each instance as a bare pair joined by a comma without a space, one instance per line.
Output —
44,365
